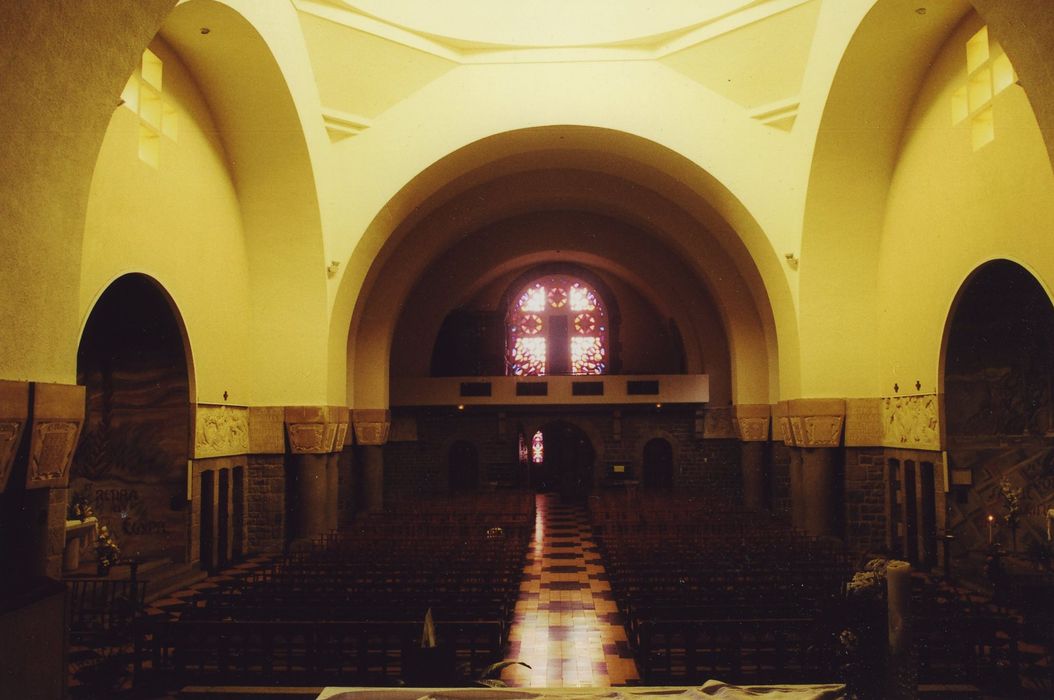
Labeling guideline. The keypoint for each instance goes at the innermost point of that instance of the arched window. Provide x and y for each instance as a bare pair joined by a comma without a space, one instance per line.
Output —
557,324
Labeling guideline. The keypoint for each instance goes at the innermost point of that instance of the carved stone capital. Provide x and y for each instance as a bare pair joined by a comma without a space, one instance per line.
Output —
912,422
817,422
58,414
342,417
220,431
14,412
310,429
718,424
752,422
372,425
781,423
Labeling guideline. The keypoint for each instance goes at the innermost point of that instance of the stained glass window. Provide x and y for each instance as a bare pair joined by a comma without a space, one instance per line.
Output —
537,448
557,324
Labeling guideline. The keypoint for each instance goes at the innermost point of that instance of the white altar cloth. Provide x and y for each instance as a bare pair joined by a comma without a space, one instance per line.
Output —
712,690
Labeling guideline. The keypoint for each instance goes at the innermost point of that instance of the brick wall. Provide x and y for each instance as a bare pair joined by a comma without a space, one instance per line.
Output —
780,479
265,513
420,468
865,499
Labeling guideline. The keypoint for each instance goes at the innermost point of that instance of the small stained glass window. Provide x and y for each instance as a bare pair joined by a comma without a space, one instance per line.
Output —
538,448
557,324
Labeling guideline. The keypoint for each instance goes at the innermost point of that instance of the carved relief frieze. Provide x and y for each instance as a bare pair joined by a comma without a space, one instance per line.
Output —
10,433
911,422
58,412
267,430
342,436
51,453
717,424
752,429
820,431
784,432
863,422
220,431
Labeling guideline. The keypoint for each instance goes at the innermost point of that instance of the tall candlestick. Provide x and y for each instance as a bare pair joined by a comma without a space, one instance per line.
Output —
991,519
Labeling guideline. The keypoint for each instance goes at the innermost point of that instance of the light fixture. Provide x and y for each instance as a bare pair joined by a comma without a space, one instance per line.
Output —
792,260
920,10
332,268
205,30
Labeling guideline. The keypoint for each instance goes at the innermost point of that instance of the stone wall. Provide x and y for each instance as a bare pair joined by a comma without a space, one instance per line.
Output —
266,508
418,467
866,518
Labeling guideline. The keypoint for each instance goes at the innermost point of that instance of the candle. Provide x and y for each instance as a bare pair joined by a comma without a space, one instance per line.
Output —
898,590
1050,524
991,519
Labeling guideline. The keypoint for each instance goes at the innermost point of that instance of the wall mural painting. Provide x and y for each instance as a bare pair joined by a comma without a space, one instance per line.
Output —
132,460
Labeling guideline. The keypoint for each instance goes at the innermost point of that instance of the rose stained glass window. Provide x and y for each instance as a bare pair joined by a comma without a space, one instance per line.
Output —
557,324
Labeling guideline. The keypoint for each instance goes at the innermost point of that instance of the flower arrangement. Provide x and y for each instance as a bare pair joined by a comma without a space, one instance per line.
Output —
1011,507
106,550
870,581
1011,502
80,508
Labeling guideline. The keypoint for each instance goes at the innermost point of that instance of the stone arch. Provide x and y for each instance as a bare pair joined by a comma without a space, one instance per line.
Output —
997,380
135,361
868,100
366,303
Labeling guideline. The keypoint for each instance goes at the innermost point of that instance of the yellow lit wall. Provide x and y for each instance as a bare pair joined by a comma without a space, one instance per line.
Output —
179,223
953,208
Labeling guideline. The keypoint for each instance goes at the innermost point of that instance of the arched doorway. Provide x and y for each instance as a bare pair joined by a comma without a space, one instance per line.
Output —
463,462
131,463
567,461
998,375
657,465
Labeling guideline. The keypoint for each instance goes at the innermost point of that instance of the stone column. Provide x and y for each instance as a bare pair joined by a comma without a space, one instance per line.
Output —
752,427
371,431
311,435
310,508
817,427
332,488
782,431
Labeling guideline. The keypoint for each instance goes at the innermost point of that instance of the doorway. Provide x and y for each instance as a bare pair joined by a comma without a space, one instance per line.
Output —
567,462
657,468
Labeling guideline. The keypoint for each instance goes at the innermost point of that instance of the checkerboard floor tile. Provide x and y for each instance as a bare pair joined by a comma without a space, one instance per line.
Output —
566,624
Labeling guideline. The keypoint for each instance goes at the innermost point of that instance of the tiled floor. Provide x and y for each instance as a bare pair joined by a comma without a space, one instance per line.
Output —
567,626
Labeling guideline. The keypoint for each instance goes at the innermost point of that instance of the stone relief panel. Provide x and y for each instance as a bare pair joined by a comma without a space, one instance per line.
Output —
371,433
783,431
863,422
307,438
752,429
266,430
51,453
817,431
717,424
220,431
911,422
10,432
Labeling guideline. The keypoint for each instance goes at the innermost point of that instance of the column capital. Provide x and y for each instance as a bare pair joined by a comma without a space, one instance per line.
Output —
781,427
316,429
14,412
372,425
58,414
816,422
752,421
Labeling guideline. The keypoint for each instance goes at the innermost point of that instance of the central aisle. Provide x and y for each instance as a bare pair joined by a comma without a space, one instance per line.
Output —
567,626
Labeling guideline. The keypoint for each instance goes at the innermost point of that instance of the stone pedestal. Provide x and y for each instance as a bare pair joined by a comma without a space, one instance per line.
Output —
818,485
373,477
311,479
